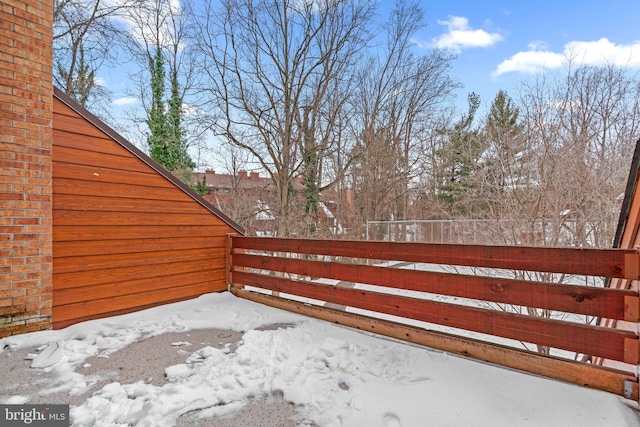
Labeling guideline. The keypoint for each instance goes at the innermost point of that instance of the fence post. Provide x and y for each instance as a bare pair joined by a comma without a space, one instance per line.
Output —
228,260
632,266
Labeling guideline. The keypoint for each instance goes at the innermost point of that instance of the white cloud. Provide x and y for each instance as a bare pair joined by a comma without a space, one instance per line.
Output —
599,52
141,22
99,81
538,45
125,101
530,62
189,110
460,36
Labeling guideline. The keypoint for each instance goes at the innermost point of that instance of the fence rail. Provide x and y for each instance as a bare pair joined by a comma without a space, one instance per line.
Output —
289,270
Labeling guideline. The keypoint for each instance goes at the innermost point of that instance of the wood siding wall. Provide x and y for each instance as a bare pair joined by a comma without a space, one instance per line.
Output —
124,236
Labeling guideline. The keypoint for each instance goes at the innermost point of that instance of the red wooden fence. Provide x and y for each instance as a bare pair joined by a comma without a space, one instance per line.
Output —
285,268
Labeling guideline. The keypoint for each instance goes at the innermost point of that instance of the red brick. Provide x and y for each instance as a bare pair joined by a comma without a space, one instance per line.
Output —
38,290
7,308
11,196
13,293
13,278
13,261
41,197
26,221
25,252
4,244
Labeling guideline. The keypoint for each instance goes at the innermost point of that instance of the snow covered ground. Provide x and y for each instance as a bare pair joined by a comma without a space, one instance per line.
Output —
333,375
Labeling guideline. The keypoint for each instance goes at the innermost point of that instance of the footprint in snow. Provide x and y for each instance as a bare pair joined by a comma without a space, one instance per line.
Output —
391,420
438,356
420,380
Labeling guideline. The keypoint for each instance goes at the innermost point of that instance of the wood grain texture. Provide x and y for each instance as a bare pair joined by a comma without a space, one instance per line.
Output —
109,203
112,275
586,300
129,190
125,236
590,262
574,337
63,265
85,172
116,232
129,301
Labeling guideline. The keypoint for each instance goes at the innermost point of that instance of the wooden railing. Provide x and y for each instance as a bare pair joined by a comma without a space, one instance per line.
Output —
285,272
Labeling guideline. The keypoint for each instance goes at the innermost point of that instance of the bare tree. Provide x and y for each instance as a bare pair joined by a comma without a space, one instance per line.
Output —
160,34
557,161
582,130
269,66
399,94
86,37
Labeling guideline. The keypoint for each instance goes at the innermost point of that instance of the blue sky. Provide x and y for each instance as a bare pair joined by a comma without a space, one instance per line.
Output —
501,43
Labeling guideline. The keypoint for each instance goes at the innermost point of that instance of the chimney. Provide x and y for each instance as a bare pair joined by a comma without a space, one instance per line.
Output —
242,174
255,176
26,99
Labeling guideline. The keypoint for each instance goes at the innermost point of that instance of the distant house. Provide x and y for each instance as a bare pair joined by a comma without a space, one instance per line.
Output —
251,199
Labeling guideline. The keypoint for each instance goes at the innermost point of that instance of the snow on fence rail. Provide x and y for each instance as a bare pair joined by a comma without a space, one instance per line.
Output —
291,268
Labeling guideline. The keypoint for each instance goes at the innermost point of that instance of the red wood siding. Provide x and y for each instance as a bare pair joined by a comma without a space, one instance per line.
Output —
124,236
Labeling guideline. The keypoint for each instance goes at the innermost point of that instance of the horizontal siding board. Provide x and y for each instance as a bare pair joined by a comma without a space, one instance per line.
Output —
106,174
575,337
106,203
89,316
88,188
77,125
91,263
142,244
133,218
129,163
60,109
66,314
63,233
77,279
133,287
104,144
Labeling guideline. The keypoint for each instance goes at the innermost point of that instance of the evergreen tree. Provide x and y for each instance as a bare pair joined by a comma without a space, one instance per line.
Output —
157,121
175,133
459,159
201,187
505,145
310,173
166,139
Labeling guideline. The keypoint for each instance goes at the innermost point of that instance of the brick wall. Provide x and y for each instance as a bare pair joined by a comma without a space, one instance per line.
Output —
25,165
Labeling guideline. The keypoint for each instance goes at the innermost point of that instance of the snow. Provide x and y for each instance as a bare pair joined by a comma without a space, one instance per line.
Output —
50,356
333,375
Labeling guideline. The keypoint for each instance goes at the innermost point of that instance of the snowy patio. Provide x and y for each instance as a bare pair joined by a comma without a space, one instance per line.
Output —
220,360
